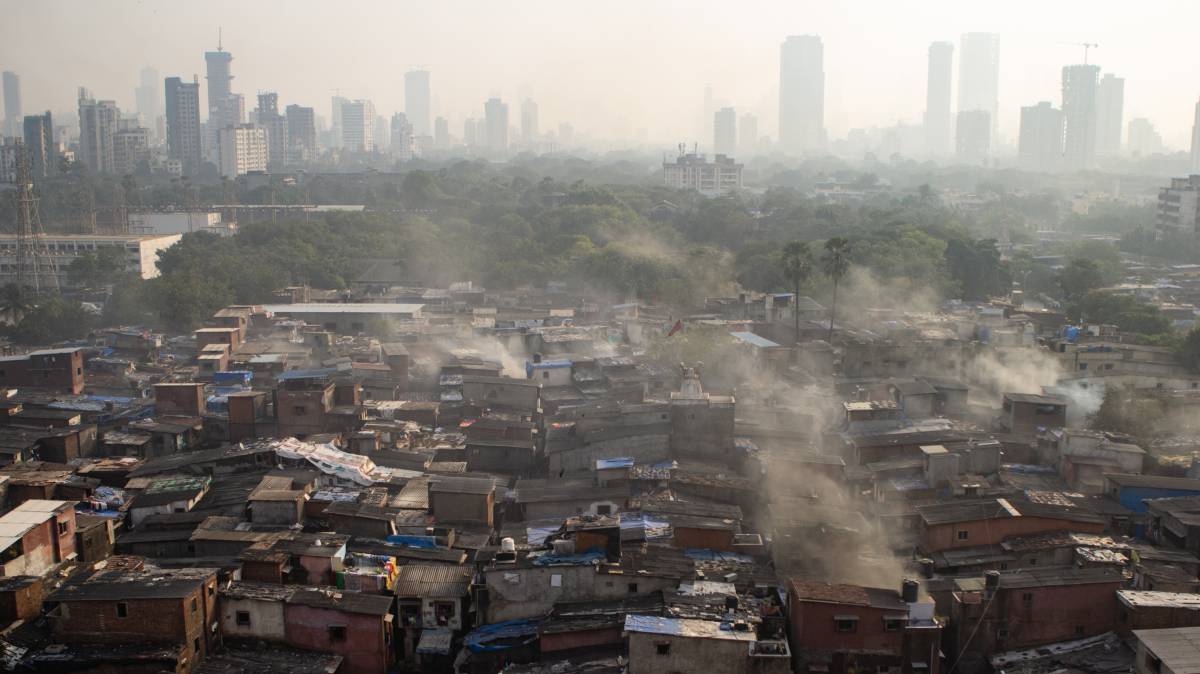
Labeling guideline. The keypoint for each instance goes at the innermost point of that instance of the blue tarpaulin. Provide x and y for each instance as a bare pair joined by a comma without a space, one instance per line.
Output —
481,640
568,560
423,542
232,376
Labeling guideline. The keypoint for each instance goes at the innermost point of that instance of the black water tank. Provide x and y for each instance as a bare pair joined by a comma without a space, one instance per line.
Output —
909,590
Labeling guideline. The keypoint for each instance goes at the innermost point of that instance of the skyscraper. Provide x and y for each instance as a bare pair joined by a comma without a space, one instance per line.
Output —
267,116
1196,140
973,136
336,105
725,132
97,125
402,137
1110,106
416,101
301,130
220,79
495,113
146,96
1041,140
802,94
979,77
243,149
39,141
937,99
441,133
183,123
747,134
1079,90
358,126
131,145
529,122
12,102
1144,139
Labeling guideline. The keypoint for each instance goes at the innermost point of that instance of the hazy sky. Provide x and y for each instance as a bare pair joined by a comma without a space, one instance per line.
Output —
627,69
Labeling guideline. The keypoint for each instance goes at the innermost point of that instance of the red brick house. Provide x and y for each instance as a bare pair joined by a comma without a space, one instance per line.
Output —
36,536
358,627
844,628
966,524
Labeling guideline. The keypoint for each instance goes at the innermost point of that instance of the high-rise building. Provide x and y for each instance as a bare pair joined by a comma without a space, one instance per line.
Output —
495,113
529,122
184,141
97,124
1041,141
441,133
1144,139
220,87
725,132
937,99
472,130
336,105
301,131
747,134
12,103
1079,90
1179,207
417,106
802,94
39,142
358,126
383,133
131,145
276,125
402,137
243,149
973,136
979,77
147,97
1196,140
1110,108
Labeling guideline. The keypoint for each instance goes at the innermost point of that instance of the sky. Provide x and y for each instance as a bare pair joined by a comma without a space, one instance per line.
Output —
619,69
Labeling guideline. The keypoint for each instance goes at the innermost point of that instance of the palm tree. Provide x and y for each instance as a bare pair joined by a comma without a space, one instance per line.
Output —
797,261
13,304
836,262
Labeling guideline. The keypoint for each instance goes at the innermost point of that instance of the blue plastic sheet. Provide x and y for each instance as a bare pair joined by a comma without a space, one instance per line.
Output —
481,640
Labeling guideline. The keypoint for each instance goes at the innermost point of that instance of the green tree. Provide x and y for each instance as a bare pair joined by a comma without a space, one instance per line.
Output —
53,319
796,259
836,262
1078,278
14,304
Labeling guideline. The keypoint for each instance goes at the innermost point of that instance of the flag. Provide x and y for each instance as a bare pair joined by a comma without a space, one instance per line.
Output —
676,328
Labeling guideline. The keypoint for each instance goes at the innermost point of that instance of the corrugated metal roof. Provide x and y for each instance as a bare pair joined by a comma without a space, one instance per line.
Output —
432,581
682,627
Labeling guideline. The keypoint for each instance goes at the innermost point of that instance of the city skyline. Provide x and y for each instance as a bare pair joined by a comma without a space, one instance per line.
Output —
563,76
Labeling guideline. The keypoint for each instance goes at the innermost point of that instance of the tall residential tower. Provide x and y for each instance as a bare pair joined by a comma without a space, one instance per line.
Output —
937,99
802,94
979,78
1079,91
417,108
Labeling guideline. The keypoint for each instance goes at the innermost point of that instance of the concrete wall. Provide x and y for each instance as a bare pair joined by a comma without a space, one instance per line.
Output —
718,656
266,618
527,592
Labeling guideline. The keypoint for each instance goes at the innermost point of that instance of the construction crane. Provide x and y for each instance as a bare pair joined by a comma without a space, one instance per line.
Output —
1086,46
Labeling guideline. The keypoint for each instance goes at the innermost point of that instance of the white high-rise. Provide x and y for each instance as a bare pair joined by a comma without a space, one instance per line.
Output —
979,78
802,94
725,132
243,149
529,122
417,108
1079,91
1110,109
495,113
1196,140
358,126
937,99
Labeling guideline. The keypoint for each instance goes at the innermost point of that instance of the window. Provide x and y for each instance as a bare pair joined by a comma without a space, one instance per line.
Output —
298,409
962,534
633,588
243,618
195,605
1027,597
604,509
337,632
62,528
893,624
1083,366
1033,561
443,612
1002,633
845,624
662,648
122,610
1079,630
